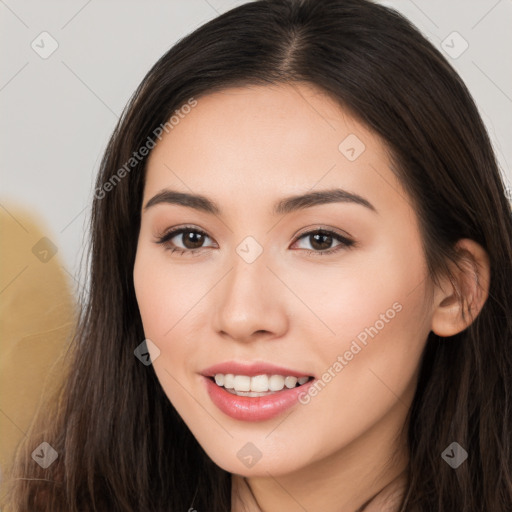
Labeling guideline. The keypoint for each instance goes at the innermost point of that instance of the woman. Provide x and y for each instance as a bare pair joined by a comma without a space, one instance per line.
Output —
220,363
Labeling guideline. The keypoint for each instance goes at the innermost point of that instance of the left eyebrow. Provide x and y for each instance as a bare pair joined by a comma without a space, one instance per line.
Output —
335,195
283,206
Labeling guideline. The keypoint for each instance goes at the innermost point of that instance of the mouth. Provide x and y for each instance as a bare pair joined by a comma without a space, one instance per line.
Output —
257,385
254,391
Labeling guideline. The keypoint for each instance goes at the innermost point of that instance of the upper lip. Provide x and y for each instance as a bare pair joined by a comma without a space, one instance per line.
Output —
251,369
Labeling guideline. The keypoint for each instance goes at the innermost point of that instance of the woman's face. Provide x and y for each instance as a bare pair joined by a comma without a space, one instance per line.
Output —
332,286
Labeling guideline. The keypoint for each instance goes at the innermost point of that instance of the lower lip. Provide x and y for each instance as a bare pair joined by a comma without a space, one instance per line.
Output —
258,408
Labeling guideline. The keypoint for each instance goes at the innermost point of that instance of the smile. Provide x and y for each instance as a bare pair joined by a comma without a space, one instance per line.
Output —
253,406
259,385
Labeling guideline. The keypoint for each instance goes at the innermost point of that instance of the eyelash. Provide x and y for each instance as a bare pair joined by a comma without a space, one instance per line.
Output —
166,237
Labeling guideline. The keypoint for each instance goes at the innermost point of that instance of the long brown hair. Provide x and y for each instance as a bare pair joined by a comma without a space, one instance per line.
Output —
121,444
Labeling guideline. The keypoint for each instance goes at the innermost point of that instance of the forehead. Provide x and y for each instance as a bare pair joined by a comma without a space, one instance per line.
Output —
252,142
297,115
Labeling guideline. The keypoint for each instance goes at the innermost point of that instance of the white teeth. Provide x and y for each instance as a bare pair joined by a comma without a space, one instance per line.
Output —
276,383
290,382
229,381
257,385
242,383
246,393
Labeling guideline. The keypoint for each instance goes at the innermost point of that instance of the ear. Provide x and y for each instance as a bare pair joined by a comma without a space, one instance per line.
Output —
465,292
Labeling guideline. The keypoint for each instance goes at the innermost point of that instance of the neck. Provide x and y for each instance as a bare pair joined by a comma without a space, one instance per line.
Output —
387,499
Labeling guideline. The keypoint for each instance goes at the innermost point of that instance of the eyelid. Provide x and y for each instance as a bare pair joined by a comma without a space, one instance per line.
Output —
170,233
345,240
313,228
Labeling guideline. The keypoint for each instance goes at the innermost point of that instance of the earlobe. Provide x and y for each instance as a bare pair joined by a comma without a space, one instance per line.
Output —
460,298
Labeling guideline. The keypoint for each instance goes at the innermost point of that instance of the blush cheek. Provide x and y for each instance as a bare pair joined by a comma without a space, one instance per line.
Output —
382,324
155,293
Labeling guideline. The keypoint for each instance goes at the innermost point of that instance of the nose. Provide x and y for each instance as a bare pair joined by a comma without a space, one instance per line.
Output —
251,302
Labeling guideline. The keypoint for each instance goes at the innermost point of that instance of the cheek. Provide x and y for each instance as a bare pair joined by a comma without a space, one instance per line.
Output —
167,301
376,312
382,328
162,293
369,368
364,288
160,311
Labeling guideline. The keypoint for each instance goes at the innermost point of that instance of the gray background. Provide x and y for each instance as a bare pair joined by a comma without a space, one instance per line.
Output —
58,112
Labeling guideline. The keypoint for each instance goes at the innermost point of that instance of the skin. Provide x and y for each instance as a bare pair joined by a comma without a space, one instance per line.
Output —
246,148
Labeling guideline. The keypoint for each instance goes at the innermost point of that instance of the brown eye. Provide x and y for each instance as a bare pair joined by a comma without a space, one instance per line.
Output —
192,240
321,241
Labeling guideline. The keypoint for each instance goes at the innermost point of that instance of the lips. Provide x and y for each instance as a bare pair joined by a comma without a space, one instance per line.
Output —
253,406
